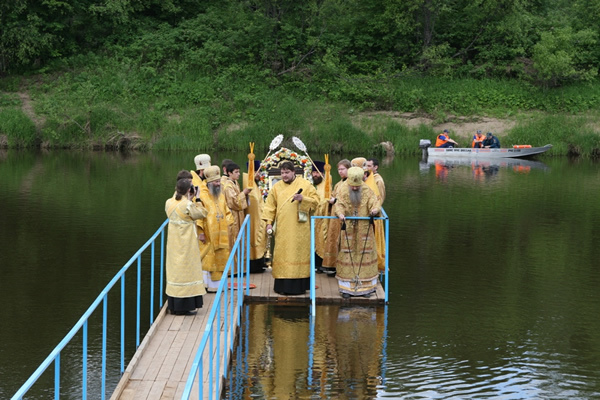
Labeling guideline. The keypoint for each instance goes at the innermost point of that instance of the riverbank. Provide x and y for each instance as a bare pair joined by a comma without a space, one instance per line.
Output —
114,105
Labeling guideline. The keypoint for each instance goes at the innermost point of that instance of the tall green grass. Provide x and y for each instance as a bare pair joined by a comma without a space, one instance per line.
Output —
106,101
16,129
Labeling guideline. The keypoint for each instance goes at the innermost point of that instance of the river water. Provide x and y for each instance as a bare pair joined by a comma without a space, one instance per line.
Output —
494,283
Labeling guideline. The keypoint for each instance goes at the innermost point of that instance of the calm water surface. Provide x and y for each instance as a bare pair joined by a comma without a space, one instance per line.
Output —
494,284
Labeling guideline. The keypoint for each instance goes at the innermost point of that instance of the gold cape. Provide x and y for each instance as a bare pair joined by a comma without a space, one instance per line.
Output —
357,258
183,261
215,250
257,225
291,254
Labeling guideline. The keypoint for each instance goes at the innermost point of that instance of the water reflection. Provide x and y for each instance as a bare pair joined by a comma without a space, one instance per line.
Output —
285,355
477,169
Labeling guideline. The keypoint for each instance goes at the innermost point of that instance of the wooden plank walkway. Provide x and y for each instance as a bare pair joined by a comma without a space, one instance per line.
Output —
160,367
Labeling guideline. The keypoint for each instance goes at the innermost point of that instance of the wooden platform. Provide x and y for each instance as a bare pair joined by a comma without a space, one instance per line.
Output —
327,292
160,367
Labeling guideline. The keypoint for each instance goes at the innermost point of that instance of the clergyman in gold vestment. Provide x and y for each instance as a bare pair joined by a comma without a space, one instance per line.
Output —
213,234
289,205
185,286
356,269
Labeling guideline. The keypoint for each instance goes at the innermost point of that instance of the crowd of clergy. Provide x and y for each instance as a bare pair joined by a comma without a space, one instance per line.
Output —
208,208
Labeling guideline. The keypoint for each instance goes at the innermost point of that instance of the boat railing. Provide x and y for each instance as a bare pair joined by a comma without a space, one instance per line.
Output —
385,275
82,324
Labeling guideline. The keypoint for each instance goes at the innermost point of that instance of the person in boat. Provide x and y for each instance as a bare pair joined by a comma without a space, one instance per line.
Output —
491,141
236,199
443,140
213,232
356,268
373,167
257,227
478,139
287,210
185,286
332,241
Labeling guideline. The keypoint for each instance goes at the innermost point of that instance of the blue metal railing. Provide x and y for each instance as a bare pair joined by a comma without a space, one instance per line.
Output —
312,255
82,324
224,303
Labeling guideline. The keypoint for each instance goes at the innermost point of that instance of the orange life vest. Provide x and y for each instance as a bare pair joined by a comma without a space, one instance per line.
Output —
440,142
477,139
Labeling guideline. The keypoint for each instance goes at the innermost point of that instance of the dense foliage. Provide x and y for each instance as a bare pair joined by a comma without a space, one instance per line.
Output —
547,41
192,74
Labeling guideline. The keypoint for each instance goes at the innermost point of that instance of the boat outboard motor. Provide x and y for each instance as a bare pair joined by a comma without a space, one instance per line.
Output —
423,145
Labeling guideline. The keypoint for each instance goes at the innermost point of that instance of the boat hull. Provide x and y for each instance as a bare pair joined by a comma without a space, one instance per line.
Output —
487,153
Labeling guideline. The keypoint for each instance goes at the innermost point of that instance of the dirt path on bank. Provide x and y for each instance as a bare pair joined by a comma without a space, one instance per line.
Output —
27,108
458,126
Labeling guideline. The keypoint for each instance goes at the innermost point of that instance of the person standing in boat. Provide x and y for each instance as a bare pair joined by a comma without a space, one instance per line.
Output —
213,233
491,141
185,286
443,140
287,212
356,269
478,139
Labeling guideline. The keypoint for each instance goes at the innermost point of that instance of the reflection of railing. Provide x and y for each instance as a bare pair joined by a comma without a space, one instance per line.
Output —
82,324
312,254
224,302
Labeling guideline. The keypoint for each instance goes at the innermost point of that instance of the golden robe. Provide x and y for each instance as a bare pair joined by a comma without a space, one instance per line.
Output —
237,203
184,265
379,228
321,224
291,253
356,268
257,225
380,186
332,240
215,250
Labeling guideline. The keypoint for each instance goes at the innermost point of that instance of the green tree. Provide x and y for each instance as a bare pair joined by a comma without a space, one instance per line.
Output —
563,55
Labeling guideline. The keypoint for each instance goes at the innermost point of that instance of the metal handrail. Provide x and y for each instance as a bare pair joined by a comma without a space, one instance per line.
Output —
312,254
82,324
240,255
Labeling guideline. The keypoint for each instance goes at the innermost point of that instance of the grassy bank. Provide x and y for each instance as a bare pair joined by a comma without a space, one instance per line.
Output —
111,104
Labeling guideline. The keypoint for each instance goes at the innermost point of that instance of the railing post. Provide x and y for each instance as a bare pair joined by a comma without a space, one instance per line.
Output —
313,307
57,377
104,331
84,357
137,306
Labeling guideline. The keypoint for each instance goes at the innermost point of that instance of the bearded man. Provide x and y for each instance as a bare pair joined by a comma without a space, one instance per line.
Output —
356,269
287,212
213,235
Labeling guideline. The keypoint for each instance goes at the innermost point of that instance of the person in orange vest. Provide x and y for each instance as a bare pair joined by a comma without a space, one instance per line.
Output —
478,139
443,140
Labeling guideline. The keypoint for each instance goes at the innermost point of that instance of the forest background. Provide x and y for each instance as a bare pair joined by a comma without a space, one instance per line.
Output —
343,75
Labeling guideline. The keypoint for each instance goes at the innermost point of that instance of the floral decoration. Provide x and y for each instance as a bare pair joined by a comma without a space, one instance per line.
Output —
274,159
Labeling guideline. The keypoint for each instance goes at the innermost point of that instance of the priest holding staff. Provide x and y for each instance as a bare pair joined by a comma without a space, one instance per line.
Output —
287,212
356,267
